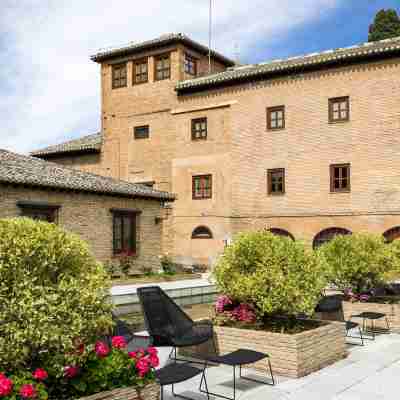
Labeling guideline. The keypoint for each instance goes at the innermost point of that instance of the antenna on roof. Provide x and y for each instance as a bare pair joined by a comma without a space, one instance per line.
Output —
236,53
209,37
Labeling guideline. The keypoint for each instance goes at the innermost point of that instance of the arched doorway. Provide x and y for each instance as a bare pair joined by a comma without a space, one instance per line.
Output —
327,235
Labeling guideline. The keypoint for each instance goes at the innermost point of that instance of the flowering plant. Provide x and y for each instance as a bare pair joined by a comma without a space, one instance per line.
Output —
101,367
25,385
109,367
227,310
355,297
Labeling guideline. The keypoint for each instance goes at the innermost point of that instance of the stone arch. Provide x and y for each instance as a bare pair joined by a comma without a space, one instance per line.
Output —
328,234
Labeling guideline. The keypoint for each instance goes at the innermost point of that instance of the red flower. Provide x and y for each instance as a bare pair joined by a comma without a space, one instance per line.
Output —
132,354
152,351
143,366
102,350
6,386
118,342
154,360
28,391
70,371
40,374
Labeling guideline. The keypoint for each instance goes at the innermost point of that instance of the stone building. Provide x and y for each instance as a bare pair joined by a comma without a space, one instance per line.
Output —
307,147
114,217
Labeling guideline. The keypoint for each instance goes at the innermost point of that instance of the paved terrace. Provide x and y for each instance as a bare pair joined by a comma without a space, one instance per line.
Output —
371,372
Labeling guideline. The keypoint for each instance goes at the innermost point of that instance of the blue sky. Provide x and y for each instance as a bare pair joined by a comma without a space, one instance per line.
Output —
50,91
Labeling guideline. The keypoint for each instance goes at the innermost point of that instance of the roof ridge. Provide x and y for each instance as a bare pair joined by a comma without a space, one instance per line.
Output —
365,49
114,51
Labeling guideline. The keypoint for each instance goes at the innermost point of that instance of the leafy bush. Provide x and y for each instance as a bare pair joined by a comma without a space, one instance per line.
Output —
359,262
274,274
53,295
167,265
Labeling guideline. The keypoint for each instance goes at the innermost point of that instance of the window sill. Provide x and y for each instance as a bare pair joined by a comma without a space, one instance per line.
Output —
276,194
120,255
275,129
338,122
340,191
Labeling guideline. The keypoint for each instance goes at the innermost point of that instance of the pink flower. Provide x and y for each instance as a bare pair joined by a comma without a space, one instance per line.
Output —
152,351
244,313
6,386
222,302
132,354
102,350
28,391
70,371
154,360
118,342
40,374
143,366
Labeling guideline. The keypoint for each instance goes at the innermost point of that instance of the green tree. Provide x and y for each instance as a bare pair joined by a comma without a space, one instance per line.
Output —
386,25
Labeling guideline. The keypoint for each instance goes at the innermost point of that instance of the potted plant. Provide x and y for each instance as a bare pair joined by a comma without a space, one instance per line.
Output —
103,372
266,281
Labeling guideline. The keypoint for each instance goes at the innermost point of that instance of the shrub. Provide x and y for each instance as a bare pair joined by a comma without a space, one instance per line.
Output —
167,265
358,262
274,274
53,295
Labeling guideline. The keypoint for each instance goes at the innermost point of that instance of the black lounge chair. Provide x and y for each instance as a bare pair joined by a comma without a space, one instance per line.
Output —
167,324
331,308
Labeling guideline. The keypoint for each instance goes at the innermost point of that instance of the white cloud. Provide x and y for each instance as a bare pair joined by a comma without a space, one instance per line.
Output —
49,89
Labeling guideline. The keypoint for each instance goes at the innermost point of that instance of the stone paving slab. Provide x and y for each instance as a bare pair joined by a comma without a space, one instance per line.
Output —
371,372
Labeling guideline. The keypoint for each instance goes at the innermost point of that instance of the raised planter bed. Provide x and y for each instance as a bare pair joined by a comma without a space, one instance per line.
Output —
392,312
292,355
150,392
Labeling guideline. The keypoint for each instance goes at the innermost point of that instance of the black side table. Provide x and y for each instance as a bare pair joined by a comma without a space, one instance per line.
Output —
235,359
177,373
371,317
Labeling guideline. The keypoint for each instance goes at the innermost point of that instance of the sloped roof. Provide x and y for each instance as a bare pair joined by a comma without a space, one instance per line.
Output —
87,144
164,40
292,65
31,171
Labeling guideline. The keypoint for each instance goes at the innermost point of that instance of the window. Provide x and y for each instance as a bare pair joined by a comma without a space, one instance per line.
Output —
140,71
162,67
276,118
276,181
124,232
141,132
190,65
202,232
118,76
39,211
199,129
340,178
201,187
339,109
327,235
281,232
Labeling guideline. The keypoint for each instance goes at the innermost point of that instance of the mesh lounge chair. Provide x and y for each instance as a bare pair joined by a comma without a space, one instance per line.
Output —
331,308
167,324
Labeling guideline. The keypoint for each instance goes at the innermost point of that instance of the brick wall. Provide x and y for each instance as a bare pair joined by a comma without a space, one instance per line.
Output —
89,216
291,355
240,149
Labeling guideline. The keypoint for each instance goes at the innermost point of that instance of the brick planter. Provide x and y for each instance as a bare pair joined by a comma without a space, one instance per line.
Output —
391,310
150,392
291,355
